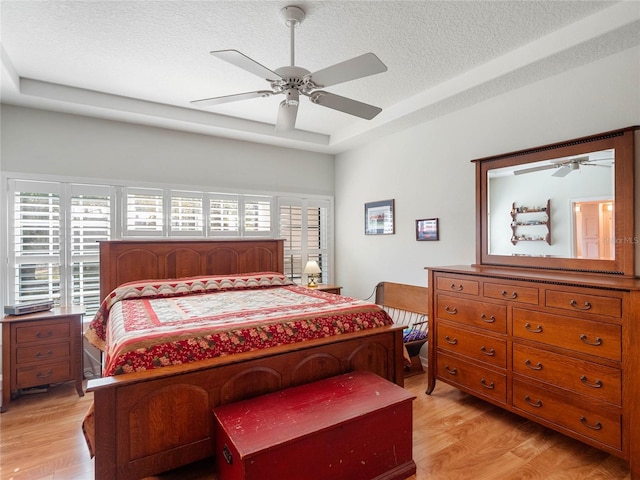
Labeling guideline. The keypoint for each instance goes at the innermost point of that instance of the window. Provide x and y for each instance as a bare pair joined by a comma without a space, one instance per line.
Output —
305,227
55,229
34,245
144,212
187,213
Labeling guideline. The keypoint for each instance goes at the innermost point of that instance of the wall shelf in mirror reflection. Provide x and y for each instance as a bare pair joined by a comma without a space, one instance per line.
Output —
589,186
531,224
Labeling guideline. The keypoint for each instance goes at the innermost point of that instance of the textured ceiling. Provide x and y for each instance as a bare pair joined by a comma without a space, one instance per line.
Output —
144,61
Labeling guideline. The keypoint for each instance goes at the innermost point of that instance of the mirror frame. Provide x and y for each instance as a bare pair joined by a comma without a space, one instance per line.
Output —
623,142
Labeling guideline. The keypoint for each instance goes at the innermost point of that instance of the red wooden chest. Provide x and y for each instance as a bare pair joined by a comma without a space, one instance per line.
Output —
356,426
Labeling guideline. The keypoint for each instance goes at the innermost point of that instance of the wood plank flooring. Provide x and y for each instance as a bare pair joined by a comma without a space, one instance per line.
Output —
456,437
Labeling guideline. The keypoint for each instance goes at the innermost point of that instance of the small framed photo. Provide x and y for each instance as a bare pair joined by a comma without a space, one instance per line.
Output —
379,218
427,229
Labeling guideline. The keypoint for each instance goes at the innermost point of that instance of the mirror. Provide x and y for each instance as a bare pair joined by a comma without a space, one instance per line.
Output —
565,206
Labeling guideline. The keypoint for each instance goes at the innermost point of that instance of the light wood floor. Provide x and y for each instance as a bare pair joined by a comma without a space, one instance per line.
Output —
456,437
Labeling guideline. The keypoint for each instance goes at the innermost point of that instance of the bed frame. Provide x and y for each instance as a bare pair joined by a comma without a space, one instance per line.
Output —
150,422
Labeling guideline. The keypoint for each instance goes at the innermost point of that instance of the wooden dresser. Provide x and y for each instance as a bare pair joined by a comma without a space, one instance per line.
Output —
41,349
560,348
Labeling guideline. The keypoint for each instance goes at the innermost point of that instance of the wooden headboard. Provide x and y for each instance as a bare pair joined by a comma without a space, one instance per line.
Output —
129,260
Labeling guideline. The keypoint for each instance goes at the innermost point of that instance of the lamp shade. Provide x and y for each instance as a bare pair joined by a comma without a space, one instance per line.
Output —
311,267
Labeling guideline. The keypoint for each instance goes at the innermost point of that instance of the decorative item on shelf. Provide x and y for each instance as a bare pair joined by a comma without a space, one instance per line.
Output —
312,269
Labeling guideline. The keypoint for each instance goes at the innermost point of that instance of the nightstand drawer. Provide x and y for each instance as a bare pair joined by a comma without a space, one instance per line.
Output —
42,332
48,353
43,374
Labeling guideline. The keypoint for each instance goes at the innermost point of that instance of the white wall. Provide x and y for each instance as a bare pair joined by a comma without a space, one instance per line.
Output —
427,168
37,141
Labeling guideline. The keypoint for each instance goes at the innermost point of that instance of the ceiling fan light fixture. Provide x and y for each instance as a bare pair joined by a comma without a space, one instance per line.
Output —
291,81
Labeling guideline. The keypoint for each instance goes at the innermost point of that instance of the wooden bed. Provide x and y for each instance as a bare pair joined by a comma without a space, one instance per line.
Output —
154,421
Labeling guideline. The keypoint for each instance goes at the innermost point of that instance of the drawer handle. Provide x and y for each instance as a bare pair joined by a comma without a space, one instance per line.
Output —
44,335
449,341
486,319
506,295
451,311
490,386
450,371
574,304
538,366
44,355
596,343
490,353
44,375
538,329
537,403
597,384
457,289
597,426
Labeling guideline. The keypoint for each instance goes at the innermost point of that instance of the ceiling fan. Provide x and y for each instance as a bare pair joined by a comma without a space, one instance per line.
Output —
565,167
291,81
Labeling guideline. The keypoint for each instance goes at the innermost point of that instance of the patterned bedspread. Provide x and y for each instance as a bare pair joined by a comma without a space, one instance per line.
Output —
145,325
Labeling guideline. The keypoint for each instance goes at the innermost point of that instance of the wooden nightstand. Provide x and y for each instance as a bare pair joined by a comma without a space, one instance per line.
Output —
329,288
41,349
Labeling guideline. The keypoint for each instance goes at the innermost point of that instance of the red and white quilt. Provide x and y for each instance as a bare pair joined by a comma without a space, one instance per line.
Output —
145,325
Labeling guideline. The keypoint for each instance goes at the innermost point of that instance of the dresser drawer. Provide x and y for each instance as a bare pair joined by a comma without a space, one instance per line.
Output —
50,352
458,285
472,312
43,374
513,293
470,344
596,423
587,378
585,336
42,331
586,303
482,381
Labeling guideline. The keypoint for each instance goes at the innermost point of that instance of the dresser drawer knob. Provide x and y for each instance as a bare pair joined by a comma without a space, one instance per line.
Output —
538,329
44,375
596,426
597,384
574,304
44,335
486,319
44,355
490,386
451,371
537,403
596,343
537,366
450,341
457,288
509,296
490,353
451,311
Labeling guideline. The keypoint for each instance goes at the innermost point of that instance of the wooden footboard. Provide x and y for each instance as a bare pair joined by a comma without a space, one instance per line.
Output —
150,422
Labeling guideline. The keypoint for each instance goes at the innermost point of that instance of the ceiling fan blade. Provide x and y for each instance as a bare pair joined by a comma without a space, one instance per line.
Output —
287,114
205,102
234,57
344,104
357,67
533,169
563,171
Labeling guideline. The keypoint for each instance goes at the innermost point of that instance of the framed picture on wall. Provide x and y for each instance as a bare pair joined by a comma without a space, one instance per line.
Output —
427,229
379,218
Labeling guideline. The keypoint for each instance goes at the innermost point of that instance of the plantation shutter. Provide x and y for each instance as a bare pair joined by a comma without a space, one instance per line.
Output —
90,222
35,243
